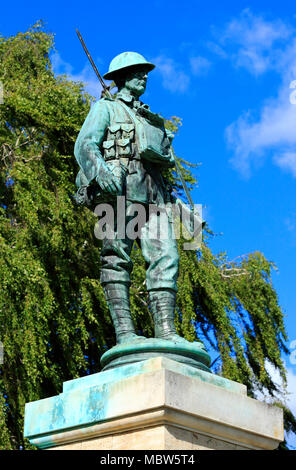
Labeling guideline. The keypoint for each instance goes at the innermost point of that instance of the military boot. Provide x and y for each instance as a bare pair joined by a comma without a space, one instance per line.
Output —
117,297
162,304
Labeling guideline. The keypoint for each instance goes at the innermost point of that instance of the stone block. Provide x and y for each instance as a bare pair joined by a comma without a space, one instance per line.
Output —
153,405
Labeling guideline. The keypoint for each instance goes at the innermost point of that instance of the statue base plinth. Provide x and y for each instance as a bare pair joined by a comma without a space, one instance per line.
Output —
191,354
153,405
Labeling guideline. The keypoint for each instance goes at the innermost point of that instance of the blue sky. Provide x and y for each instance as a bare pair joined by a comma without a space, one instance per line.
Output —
225,68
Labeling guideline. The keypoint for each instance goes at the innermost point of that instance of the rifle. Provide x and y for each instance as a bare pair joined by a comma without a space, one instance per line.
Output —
105,88
179,172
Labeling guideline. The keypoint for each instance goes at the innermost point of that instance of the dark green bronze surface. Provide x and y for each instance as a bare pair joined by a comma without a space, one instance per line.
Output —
191,354
122,150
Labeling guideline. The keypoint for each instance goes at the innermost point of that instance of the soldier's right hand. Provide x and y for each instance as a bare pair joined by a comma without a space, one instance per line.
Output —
108,181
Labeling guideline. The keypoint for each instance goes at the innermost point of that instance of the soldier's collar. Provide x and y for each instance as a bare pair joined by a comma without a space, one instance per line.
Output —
131,100
126,98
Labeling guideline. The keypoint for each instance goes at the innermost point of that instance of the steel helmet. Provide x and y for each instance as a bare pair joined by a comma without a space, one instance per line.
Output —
124,61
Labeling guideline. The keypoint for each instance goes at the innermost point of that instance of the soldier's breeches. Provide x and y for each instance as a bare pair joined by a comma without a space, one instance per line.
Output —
160,253
162,260
116,264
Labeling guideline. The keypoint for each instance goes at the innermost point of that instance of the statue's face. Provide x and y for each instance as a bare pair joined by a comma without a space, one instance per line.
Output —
136,81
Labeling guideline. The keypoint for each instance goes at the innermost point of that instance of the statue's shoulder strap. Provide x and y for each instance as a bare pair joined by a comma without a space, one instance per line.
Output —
143,113
131,114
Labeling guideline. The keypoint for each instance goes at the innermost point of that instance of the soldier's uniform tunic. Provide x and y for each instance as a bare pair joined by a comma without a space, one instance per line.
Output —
108,133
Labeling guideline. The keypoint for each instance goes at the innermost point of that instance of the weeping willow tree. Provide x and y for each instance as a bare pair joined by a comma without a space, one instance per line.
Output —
54,321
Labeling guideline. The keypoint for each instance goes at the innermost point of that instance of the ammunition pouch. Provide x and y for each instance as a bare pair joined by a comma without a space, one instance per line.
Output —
120,142
150,136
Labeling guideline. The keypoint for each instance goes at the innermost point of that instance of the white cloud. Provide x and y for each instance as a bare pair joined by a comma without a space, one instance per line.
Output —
252,30
291,389
253,42
291,402
216,49
290,392
173,77
287,161
261,46
59,66
287,395
87,74
199,65
290,222
275,131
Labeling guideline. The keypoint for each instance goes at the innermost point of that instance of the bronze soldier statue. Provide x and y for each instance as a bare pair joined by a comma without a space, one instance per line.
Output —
122,149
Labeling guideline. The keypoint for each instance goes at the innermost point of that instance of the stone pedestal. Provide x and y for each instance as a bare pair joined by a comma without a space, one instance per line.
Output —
153,405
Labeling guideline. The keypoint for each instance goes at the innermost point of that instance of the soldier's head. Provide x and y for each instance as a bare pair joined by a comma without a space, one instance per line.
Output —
133,80
129,71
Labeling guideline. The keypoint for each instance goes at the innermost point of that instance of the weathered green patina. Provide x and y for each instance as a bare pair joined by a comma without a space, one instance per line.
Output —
96,399
123,61
122,150
191,354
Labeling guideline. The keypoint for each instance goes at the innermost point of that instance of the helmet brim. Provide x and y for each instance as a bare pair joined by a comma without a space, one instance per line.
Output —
111,75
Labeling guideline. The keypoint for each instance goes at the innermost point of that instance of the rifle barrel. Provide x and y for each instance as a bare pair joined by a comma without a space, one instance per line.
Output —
179,172
92,63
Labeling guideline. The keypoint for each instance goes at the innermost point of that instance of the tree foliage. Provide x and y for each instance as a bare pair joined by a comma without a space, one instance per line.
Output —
54,322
